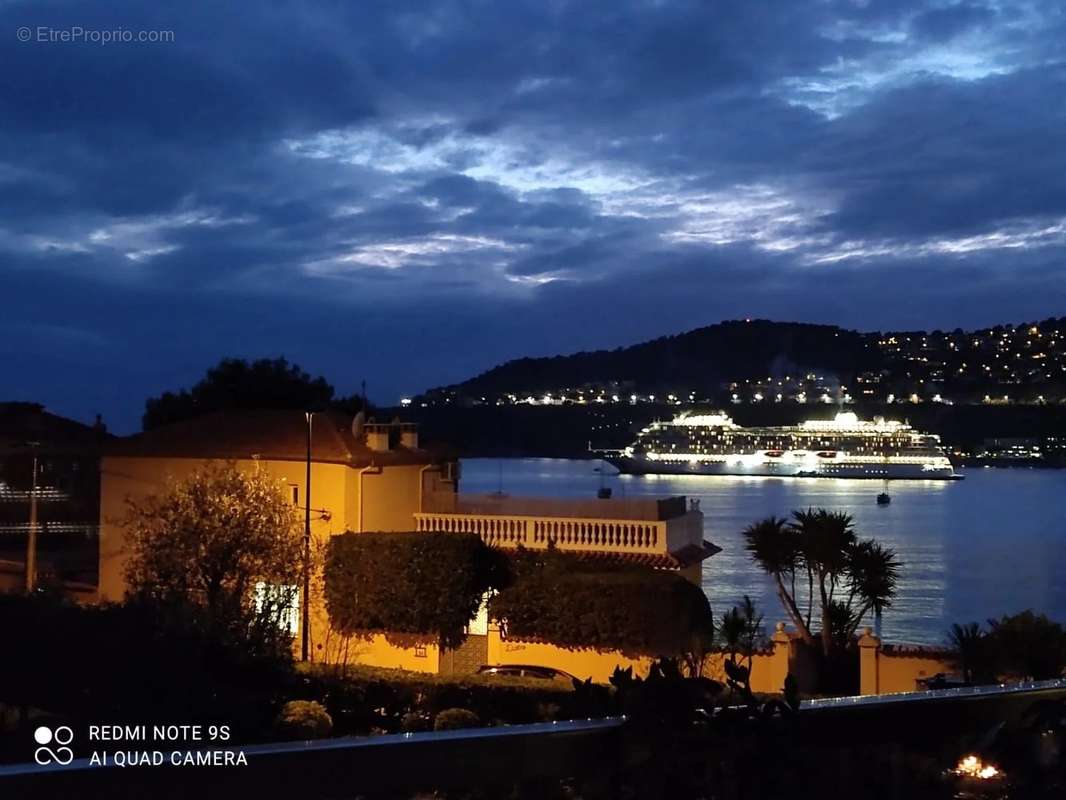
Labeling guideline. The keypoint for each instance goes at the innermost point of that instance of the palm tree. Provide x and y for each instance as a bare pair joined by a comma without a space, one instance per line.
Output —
968,642
825,538
848,577
872,577
775,547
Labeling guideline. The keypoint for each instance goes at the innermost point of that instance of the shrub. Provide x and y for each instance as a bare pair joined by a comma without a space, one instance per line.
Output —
421,583
204,544
146,662
451,719
1028,645
361,698
414,722
575,602
304,719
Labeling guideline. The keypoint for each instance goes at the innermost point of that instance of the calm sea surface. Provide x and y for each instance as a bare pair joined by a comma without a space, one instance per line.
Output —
992,544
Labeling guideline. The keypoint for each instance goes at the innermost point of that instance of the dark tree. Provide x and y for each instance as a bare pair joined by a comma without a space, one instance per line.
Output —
236,384
971,646
1028,645
843,577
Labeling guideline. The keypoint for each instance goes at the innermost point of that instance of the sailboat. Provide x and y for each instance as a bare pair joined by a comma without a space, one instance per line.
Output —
884,498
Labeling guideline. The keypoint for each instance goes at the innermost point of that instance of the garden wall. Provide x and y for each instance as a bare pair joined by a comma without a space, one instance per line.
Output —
885,669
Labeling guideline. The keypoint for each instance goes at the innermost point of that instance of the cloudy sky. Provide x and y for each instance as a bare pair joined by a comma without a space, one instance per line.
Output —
412,193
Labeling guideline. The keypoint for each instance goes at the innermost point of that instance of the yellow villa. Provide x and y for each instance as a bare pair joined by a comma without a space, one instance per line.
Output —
375,482
376,477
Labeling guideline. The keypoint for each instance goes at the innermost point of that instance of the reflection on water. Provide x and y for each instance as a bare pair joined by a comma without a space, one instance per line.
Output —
989,545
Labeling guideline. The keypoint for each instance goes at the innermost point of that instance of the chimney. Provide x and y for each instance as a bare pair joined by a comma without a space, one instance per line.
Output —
377,437
409,435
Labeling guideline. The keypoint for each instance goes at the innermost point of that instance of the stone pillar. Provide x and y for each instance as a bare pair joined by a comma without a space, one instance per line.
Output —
869,668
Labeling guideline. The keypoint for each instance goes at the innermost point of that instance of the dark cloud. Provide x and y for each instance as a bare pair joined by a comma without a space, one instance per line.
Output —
947,22
409,193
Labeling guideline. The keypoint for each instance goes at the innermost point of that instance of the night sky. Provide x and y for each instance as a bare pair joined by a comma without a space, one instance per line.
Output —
412,193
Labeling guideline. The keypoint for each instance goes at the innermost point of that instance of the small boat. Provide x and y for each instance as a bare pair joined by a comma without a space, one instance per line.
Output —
883,499
604,492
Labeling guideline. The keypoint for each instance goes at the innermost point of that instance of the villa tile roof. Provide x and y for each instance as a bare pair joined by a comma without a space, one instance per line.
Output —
279,435
21,423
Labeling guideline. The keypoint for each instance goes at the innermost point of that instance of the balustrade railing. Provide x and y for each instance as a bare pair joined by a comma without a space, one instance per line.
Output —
568,533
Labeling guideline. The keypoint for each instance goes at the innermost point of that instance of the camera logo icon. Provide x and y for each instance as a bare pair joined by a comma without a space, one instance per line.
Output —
61,736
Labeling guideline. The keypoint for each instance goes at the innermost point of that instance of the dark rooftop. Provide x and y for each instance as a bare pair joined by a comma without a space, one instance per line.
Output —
279,435
22,423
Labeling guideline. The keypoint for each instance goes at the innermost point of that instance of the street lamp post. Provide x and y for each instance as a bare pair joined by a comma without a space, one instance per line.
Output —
31,535
305,626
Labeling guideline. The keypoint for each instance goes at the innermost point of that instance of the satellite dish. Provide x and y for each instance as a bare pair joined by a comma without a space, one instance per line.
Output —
358,421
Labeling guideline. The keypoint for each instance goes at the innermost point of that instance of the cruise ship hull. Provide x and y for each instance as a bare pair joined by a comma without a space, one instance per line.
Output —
783,469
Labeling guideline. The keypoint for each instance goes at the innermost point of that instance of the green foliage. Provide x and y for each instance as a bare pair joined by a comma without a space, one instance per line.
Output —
679,733
417,583
222,545
453,719
575,602
818,561
139,661
148,663
414,722
972,651
237,384
1028,645
304,719
740,629
1024,645
362,699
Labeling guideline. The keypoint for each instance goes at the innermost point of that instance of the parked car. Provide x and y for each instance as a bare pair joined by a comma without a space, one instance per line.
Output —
526,671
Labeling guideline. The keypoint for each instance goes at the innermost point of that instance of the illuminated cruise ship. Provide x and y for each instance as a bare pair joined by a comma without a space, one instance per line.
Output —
844,447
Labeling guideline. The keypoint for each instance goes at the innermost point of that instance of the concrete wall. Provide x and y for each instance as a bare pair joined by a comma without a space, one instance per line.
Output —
124,479
394,651
390,497
884,669
582,663
768,667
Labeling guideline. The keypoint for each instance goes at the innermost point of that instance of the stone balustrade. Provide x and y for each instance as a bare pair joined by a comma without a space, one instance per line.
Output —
568,533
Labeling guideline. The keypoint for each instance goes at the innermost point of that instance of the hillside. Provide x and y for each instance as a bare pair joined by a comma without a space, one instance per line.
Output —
699,360
761,361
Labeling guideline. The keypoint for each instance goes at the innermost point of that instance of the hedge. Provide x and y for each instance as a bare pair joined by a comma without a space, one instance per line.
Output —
577,602
363,699
419,583
432,584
